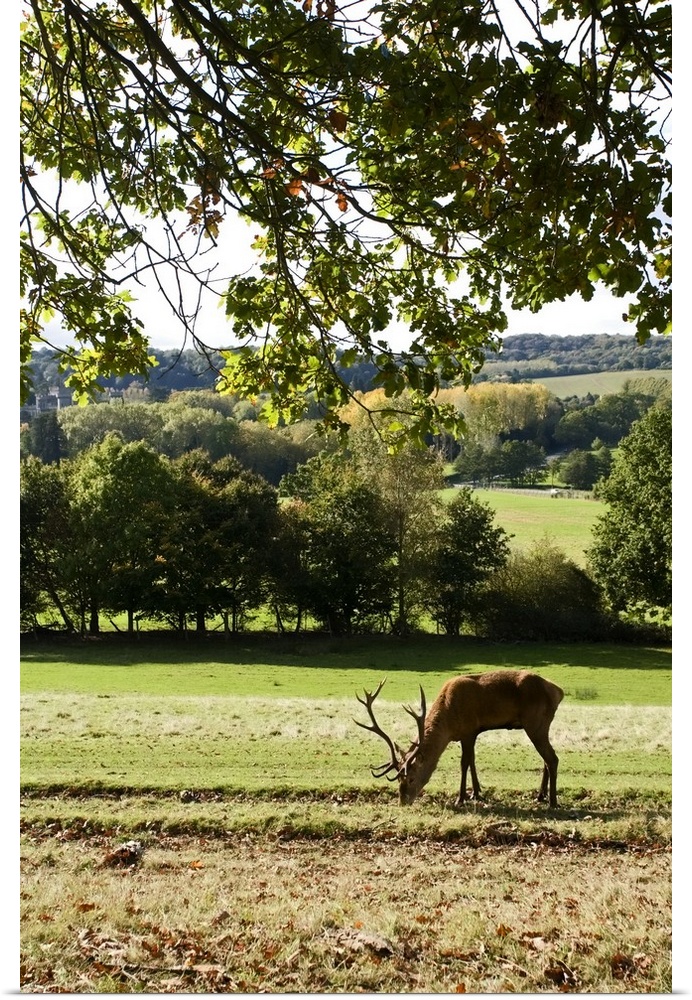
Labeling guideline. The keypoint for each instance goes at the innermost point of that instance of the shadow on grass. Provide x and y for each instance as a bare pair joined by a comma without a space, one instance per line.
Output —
424,654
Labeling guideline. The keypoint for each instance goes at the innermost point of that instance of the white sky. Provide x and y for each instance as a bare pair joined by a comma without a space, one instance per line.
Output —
572,317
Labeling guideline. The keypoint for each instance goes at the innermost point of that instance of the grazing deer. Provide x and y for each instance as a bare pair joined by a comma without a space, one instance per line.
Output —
466,706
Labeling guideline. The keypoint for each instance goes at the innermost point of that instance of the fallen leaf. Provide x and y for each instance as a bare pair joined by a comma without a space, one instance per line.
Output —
622,965
560,974
125,855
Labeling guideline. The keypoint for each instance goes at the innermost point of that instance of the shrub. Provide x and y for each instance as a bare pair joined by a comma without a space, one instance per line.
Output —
541,594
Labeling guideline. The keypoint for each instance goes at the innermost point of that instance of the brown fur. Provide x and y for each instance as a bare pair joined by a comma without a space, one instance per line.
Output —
472,704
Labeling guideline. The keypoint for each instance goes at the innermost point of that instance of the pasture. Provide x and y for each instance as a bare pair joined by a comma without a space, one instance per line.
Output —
600,383
271,859
531,517
597,383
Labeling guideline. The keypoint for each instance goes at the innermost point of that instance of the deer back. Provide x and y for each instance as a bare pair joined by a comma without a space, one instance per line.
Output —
501,699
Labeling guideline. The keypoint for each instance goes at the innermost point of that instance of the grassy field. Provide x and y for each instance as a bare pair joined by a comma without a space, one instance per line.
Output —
597,383
530,517
269,859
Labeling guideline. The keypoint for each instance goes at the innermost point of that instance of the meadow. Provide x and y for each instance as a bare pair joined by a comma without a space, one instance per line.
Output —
531,517
269,859
597,383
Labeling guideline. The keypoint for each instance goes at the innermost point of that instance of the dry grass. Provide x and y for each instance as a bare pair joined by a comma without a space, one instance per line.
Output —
255,914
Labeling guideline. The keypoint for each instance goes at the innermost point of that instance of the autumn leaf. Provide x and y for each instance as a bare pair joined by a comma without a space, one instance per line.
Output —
269,173
502,930
196,864
560,974
312,175
338,120
295,186
460,988
342,201
621,965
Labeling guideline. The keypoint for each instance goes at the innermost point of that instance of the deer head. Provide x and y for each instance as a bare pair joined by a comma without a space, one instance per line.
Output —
401,765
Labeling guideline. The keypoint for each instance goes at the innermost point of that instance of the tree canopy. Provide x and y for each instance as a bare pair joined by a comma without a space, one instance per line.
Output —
632,553
396,163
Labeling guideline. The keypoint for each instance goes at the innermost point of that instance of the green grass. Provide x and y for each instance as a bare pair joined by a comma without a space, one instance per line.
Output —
256,718
597,383
318,667
265,746
567,521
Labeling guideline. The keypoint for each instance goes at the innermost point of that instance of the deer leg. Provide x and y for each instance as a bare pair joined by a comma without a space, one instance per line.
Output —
468,763
550,762
544,783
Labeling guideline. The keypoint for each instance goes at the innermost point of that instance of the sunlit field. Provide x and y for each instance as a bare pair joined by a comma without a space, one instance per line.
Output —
263,855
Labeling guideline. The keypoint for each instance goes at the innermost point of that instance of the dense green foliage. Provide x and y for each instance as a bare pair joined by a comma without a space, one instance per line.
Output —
539,594
509,430
180,541
377,156
632,552
187,421
362,543
469,547
508,437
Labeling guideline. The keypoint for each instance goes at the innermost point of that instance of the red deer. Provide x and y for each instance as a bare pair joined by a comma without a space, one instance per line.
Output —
465,707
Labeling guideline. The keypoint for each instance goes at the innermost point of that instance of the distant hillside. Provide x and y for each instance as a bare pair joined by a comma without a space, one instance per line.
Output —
602,383
524,356
538,356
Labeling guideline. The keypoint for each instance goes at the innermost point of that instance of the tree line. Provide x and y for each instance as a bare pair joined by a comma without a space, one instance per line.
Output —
511,430
536,355
123,529
530,355
357,542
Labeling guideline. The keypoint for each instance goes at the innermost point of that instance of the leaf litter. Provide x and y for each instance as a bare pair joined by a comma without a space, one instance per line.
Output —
290,915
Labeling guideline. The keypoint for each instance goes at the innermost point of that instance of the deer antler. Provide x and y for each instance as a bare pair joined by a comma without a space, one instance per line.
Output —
395,763
420,722
418,716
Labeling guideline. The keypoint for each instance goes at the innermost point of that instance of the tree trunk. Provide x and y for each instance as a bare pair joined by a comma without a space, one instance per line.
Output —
93,619
69,624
